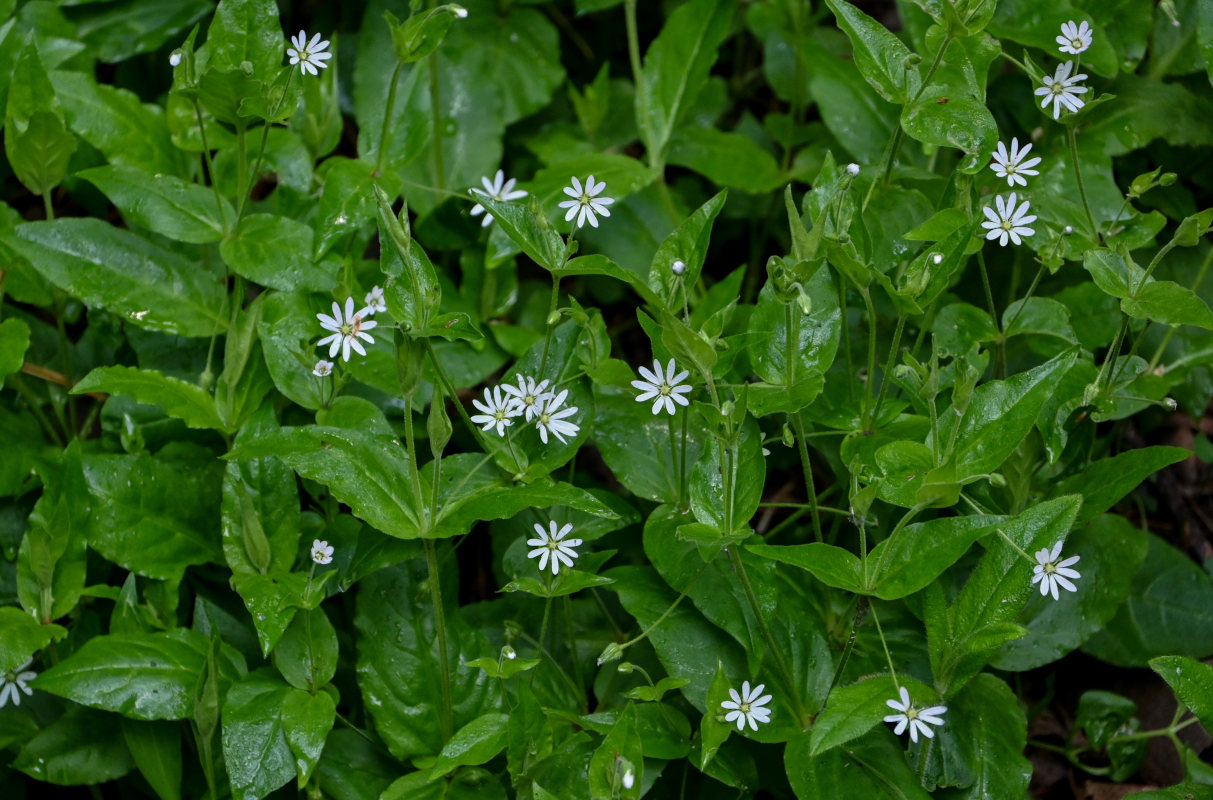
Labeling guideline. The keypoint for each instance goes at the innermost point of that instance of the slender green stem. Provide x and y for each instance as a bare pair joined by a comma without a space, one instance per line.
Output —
449,388
210,167
414,472
861,612
642,92
640,637
1154,262
265,136
669,421
578,678
47,204
1072,138
436,116
868,400
549,324
543,625
807,469
388,111
885,645
846,339
780,665
35,406
242,187
682,465
431,559
1031,289
1000,352
889,365
1105,370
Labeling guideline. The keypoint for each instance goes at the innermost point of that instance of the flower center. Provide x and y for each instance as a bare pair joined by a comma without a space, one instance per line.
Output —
1076,43
529,399
744,708
665,390
911,713
1050,568
1006,225
1057,88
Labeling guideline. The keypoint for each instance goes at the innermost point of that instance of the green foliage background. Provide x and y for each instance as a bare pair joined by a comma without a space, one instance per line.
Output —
890,414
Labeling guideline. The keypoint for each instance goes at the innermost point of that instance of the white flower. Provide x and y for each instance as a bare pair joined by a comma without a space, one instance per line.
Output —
747,706
322,551
498,189
1051,573
918,719
174,59
498,411
323,369
1074,39
853,169
12,684
585,204
374,300
347,330
528,394
1060,89
310,56
1012,165
1010,221
662,385
551,543
678,266
551,418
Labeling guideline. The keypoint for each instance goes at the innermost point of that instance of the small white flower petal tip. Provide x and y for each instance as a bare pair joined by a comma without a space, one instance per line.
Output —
918,720
552,545
1075,38
1051,573
586,203
374,300
1061,89
498,189
663,387
1012,164
1010,222
322,551
346,329
309,55
749,707
13,684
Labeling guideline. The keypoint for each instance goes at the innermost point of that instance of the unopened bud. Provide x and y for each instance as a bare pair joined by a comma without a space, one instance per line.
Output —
553,318
678,267
805,302
629,778
788,439
508,653
1067,230
460,11
1170,403
937,258
174,59
625,668
727,408
853,169
612,652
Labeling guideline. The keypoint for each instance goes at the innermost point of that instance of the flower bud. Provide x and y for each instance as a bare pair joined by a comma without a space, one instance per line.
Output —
553,318
625,667
1170,403
1067,230
508,653
805,302
613,652
174,59
459,11
853,169
629,778
937,259
678,267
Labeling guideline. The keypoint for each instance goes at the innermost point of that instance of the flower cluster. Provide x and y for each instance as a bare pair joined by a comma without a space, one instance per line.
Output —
533,402
587,203
1062,89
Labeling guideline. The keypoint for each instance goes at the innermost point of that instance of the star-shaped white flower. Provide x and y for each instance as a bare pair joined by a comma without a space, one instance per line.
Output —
310,56
347,330
747,706
375,302
499,410
919,720
322,551
1051,573
498,189
663,385
1060,89
323,368
552,544
1075,38
586,203
528,394
1011,165
550,417
12,684
1011,221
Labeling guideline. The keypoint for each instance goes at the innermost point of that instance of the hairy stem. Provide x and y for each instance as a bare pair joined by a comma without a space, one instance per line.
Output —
431,559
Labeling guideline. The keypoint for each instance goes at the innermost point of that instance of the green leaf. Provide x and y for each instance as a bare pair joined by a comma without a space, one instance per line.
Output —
621,752
179,399
1192,682
352,768
164,204
676,67
874,768
1105,482
276,252
246,30
851,711
1170,304
307,720
368,472
146,676
601,265
963,122
1180,791
1113,273
51,561
1000,415
306,655
156,750
784,355
255,748
77,749
118,270
830,564
988,731
38,150
21,636
688,243
879,55
714,730
475,743
398,661
730,160
415,293
152,516
919,553
1111,550
1169,611
636,445
528,229
14,341
569,582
